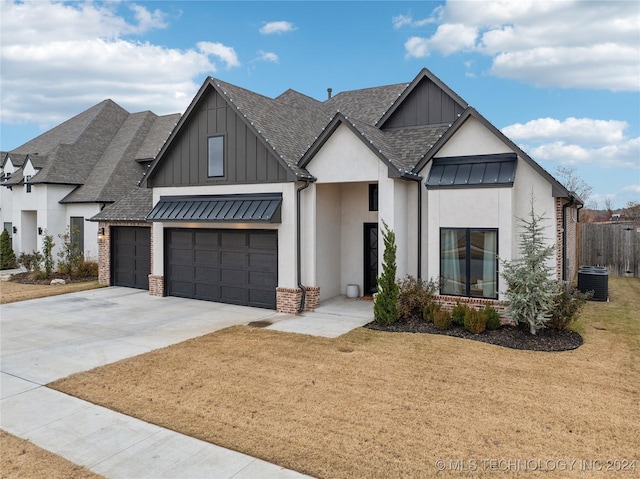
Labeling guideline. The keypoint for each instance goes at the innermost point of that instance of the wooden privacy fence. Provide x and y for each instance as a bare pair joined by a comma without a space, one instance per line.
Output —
614,245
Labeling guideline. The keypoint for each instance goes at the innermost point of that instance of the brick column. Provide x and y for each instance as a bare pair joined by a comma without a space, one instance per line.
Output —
288,299
104,254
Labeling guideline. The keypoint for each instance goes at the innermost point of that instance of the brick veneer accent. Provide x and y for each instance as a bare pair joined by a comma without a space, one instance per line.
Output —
104,248
156,285
571,231
559,231
448,303
288,299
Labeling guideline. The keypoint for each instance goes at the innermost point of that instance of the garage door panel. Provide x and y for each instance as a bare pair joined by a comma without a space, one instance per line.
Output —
225,265
130,256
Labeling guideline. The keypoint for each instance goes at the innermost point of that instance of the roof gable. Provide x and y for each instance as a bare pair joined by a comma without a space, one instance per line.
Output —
426,101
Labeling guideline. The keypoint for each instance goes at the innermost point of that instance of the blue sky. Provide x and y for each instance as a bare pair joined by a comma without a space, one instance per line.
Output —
560,78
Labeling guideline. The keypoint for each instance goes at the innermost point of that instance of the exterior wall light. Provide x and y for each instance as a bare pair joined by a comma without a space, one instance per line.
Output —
100,234
15,230
39,231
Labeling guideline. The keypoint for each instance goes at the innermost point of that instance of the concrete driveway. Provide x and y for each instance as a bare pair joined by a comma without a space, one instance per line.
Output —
46,339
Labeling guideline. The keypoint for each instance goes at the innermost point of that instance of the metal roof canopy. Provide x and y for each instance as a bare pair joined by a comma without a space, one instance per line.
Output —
241,208
478,171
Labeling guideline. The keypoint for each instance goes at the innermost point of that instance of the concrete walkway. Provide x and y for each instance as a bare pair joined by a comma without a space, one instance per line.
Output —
50,338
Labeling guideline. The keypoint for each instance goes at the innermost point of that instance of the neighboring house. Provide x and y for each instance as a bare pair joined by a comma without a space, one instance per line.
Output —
278,203
58,180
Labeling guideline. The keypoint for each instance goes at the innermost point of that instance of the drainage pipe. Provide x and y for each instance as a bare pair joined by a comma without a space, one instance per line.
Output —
299,245
571,202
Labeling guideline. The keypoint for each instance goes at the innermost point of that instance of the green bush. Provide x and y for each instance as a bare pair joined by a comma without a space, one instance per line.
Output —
475,321
429,310
414,295
70,254
458,313
442,319
566,306
493,318
7,256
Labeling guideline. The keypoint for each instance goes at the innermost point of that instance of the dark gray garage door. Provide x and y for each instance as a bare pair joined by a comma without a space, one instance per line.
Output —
229,266
131,256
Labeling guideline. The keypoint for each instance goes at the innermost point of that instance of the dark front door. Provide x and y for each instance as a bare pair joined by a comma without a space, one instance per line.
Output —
370,258
228,266
131,256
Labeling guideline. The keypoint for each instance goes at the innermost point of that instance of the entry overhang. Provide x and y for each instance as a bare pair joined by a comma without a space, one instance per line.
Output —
240,208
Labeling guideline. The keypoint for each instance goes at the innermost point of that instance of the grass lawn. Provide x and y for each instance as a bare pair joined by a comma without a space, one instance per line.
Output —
380,405
20,459
11,292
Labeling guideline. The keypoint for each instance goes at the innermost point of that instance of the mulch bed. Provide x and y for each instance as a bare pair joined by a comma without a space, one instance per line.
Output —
514,337
28,278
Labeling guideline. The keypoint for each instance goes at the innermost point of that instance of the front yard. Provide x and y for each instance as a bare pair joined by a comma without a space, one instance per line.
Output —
378,405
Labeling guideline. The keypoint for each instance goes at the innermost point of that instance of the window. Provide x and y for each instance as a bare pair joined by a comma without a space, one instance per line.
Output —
27,179
76,228
373,197
216,156
469,262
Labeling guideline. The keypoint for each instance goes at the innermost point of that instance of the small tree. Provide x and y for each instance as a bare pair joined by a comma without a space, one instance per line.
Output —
47,248
70,254
531,288
385,309
7,256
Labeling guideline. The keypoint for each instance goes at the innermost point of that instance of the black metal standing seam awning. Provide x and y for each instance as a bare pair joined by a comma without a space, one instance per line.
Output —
473,171
241,208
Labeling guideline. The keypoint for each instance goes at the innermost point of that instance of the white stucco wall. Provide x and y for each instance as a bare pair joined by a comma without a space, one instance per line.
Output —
483,207
287,247
86,211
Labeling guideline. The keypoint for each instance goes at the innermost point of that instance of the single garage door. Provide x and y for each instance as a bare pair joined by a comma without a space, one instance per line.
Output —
229,266
131,256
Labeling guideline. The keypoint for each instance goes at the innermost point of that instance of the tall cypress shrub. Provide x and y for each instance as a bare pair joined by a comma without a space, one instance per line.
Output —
7,256
385,309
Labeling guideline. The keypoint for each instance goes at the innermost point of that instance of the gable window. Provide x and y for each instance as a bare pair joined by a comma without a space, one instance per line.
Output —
216,156
76,228
373,197
469,262
27,179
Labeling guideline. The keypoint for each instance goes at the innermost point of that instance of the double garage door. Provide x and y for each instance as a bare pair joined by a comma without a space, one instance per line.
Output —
229,266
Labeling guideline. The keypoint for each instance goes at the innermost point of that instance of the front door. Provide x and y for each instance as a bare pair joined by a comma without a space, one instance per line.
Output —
370,258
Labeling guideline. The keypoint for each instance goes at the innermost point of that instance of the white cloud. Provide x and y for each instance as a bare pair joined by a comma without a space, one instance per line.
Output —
223,52
578,141
547,43
572,129
60,58
400,21
279,27
268,56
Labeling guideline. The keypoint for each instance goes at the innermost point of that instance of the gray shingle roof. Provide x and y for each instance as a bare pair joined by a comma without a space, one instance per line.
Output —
96,150
134,206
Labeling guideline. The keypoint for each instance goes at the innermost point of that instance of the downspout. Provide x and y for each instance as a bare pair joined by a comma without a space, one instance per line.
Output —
564,236
299,245
419,229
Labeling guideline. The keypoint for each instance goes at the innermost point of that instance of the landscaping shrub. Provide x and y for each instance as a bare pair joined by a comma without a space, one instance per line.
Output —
87,269
429,310
70,255
32,262
414,295
385,308
7,256
442,319
47,257
475,321
493,318
458,313
566,307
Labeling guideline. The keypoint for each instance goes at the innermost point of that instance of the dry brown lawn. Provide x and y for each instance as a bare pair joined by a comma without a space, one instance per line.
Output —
11,292
20,459
390,405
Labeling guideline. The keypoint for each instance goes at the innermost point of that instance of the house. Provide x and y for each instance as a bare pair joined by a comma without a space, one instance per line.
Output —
63,177
278,202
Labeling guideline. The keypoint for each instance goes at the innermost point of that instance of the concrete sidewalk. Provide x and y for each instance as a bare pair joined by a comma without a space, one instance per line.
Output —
50,338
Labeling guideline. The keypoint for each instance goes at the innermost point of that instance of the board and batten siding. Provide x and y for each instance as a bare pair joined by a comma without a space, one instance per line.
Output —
247,158
427,104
